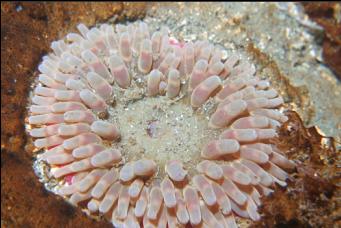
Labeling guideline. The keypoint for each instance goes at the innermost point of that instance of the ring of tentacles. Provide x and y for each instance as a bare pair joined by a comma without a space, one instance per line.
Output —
76,87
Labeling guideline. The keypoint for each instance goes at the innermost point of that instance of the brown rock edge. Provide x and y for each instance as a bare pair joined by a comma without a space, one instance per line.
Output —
328,15
311,198
27,29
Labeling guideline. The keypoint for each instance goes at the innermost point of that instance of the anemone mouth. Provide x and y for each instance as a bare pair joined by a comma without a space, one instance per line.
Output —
147,130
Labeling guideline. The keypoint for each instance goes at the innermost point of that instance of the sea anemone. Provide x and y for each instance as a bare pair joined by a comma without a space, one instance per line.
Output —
88,84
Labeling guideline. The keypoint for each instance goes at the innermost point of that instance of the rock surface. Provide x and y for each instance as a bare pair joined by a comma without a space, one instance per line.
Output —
27,29
328,15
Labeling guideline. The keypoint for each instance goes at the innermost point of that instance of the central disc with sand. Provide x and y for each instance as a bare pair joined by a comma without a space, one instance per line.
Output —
161,129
